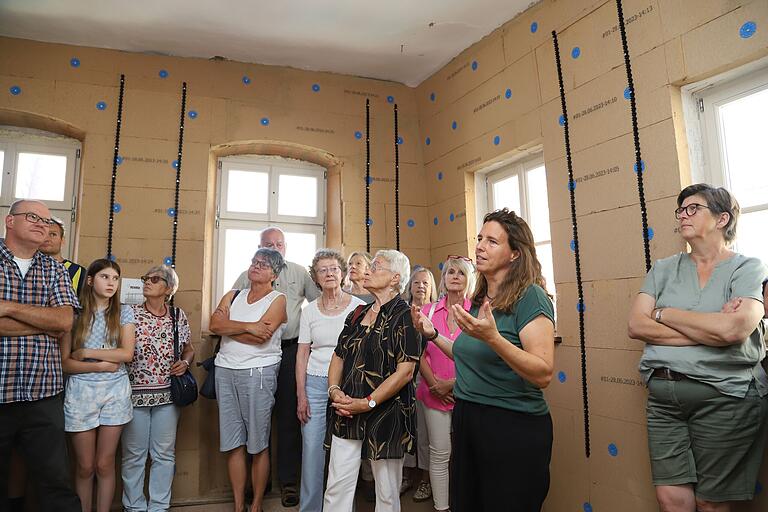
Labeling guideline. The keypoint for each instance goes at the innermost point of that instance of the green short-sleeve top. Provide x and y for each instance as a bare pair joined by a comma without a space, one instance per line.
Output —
674,282
483,377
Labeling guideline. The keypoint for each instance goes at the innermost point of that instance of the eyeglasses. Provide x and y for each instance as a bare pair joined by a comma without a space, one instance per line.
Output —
153,279
327,270
35,218
375,267
457,257
689,210
260,264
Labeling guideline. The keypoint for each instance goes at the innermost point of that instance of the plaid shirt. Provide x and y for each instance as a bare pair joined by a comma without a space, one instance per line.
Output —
30,366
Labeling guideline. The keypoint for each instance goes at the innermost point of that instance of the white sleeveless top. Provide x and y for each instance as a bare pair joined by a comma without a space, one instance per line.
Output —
242,356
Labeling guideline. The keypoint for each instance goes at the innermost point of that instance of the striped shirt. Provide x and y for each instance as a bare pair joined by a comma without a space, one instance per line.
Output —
30,366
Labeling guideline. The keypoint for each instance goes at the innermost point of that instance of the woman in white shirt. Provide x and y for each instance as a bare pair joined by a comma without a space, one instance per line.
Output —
321,323
251,324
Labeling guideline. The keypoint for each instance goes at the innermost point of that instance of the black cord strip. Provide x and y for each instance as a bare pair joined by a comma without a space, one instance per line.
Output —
367,219
114,167
636,137
178,176
574,222
397,185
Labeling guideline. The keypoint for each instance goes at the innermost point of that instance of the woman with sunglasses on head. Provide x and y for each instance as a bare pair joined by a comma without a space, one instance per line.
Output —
699,314
251,323
504,357
152,432
438,374
321,323
370,385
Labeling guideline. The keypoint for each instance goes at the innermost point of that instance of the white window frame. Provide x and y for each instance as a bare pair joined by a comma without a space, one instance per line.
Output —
14,141
226,219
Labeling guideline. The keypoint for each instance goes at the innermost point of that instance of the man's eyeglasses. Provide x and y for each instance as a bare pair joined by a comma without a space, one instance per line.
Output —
35,218
153,279
689,210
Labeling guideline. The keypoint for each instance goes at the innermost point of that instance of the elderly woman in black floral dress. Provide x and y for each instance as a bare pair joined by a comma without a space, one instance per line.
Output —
370,386
153,428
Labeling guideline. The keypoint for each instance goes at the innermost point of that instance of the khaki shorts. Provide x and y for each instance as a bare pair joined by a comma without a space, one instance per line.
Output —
698,436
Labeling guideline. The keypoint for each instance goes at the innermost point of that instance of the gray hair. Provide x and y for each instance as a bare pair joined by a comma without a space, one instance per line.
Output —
719,200
398,263
274,258
463,266
169,275
408,296
327,254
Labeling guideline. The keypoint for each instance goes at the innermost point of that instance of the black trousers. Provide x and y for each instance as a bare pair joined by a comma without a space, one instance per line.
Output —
36,429
288,425
499,459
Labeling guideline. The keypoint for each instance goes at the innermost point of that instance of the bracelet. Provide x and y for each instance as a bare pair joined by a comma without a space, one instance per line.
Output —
657,315
433,338
185,361
333,388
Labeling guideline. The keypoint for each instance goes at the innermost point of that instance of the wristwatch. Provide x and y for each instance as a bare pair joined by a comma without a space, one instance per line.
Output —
657,314
371,402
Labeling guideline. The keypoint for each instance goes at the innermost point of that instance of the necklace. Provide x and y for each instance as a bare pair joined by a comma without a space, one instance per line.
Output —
335,305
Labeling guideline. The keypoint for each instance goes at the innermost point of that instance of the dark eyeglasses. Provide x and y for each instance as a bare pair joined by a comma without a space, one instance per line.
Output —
35,218
260,264
153,279
457,257
689,210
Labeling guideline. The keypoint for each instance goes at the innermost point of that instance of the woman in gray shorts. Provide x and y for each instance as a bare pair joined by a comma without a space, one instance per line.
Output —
251,324
699,314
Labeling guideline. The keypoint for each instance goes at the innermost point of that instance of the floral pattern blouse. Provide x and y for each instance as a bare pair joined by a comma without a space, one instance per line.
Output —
150,370
370,355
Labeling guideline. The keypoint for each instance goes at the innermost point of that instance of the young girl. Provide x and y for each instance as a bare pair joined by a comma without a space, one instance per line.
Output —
97,400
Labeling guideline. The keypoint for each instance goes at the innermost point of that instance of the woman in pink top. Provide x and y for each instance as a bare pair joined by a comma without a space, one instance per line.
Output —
435,392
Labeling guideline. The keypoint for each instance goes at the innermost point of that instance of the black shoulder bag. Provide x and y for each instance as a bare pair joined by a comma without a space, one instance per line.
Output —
183,387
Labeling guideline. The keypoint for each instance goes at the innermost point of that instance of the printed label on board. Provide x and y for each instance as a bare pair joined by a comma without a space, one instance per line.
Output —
627,381
468,163
597,174
181,212
143,261
388,180
462,68
486,104
461,214
627,21
315,130
145,160
361,93
595,108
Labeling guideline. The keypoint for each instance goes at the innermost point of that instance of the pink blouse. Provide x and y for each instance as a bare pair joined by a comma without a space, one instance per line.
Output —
442,366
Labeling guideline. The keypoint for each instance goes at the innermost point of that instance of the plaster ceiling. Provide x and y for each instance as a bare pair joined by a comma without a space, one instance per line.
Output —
400,40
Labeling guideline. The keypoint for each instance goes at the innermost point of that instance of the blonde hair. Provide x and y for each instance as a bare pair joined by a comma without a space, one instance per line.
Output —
463,266
408,295
524,271
84,321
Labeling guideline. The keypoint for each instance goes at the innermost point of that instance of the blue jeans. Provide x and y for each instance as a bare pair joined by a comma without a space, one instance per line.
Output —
152,431
313,455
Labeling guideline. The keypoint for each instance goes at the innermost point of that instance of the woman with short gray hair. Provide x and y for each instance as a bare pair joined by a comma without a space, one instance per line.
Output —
699,315
372,412
152,432
250,323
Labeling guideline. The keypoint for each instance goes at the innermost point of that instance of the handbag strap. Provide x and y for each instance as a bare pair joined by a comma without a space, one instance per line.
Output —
174,317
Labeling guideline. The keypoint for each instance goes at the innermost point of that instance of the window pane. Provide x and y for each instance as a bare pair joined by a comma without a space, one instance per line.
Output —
751,239
745,151
2,165
239,246
506,193
538,204
298,196
300,247
247,191
41,176
544,254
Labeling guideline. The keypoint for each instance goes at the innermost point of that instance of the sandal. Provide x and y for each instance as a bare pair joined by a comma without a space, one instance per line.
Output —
289,496
423,492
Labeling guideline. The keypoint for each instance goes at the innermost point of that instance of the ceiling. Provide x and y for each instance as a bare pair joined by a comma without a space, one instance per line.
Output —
401,40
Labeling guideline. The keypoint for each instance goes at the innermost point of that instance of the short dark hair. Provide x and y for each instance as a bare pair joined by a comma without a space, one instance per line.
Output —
719,200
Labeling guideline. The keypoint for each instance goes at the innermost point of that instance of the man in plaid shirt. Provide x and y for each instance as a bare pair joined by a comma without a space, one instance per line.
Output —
37,305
